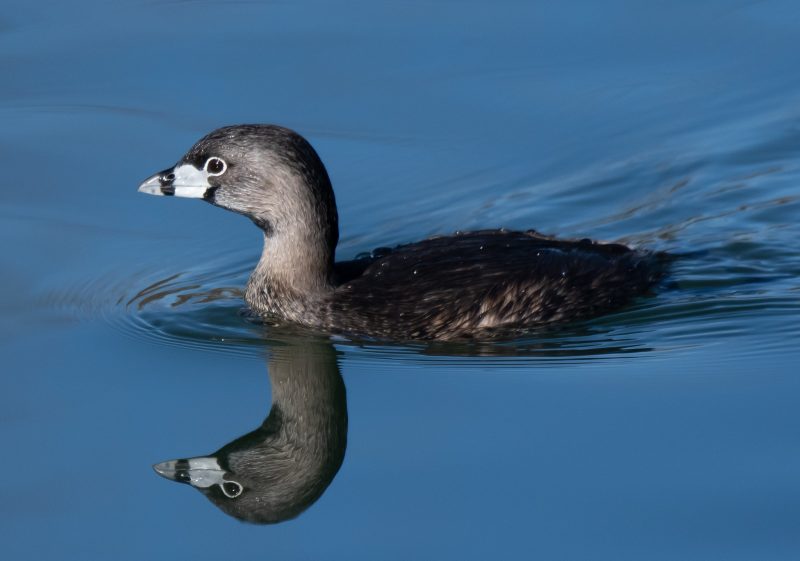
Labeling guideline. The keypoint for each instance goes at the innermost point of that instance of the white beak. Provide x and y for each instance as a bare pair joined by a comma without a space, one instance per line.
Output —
181,181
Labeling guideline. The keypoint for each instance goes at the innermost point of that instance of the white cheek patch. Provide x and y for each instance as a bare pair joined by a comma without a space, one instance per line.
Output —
190,182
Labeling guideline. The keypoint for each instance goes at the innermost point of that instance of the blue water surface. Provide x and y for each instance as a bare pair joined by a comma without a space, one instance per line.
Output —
668,430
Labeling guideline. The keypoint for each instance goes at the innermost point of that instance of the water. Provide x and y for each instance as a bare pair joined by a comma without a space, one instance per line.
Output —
667,430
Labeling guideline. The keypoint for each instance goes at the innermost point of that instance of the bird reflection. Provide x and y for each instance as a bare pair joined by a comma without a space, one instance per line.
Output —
278,470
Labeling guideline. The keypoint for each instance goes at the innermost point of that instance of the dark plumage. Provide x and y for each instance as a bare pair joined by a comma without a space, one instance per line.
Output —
481,282
471,284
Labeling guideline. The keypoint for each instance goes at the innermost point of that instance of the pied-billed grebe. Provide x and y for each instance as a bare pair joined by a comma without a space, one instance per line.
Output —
470,284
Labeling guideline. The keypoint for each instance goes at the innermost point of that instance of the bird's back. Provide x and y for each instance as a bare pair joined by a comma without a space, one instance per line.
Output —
486,282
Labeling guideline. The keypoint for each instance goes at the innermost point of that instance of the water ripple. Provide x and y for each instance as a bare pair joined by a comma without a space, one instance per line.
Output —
710,297
732,223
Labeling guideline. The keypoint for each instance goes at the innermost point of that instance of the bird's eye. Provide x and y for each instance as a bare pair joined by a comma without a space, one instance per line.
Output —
231,489
215,166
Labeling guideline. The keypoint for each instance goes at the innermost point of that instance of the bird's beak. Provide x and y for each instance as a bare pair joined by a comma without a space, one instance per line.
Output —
183,180
197,472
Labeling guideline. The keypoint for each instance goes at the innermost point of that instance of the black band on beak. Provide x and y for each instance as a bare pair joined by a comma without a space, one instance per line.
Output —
166,178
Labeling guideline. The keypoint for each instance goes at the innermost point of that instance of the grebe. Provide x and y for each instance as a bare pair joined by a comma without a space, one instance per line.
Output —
467,285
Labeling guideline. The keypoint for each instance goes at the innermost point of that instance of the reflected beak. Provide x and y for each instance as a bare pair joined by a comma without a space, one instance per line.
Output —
197,472
183,180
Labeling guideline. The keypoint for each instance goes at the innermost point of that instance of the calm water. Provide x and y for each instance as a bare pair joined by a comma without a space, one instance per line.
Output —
669,430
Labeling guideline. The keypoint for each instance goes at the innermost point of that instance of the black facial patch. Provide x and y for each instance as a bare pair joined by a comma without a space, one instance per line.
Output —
210,193
264,224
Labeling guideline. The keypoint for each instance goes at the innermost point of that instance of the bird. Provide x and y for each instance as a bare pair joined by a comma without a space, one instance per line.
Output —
277,471
479,284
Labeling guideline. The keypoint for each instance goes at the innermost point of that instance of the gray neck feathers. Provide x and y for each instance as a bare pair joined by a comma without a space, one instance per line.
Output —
300,236
308,392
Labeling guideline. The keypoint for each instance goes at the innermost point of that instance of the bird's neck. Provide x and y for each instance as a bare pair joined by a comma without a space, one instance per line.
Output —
308,393
294,274
309,405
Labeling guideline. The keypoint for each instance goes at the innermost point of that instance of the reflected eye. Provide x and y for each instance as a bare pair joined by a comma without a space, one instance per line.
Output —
215,166
231,489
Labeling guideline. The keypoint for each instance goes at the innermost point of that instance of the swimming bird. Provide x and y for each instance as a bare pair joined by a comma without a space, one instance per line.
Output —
278,470
477,284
